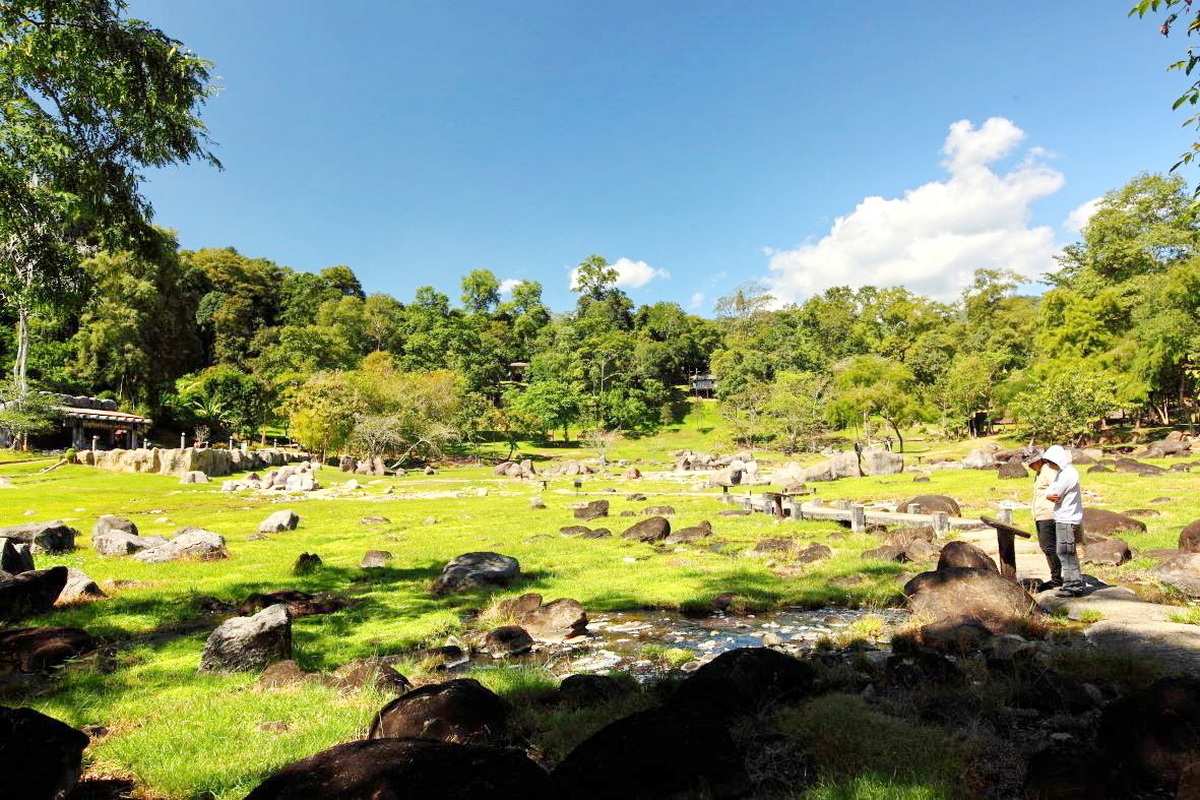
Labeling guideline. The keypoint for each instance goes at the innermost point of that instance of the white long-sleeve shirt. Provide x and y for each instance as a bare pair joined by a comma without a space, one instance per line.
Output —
1069,506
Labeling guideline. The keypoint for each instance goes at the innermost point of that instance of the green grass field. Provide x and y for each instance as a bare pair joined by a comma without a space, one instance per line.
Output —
180,734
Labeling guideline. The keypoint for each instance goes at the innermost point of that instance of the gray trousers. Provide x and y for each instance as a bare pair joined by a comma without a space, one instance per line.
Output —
1064,533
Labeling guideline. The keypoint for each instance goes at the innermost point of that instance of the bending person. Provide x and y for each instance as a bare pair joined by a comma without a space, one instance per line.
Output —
1043,514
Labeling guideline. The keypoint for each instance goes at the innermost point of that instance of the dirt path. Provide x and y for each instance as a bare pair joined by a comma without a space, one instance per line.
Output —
1127,624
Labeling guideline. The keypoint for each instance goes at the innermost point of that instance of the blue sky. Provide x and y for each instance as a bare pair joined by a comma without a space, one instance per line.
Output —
697,144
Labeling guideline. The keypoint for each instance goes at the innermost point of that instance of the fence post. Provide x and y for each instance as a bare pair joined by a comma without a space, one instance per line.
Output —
941,522
858,518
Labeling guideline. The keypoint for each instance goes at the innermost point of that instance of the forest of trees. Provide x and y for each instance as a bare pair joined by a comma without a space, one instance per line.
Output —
233,344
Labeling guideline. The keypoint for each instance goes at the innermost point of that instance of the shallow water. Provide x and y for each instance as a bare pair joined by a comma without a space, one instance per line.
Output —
620,640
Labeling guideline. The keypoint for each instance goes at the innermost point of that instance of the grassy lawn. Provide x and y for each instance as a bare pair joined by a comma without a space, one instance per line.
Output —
181,734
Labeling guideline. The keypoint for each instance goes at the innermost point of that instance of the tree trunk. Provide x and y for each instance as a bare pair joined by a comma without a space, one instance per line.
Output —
899,436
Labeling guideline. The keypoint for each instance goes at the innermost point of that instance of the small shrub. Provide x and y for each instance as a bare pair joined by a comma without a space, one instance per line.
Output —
1090,615
1190,616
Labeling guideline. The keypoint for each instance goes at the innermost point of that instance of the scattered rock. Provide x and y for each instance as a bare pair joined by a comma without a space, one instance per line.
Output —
299,604
549,622
30,593
249,643
658,511
813,552
375,521
1010,469
107,523
964,554
306,563
279,521
79,587
1189,538
194,476
41,649
1112,552
15,557
44,537
190,543
959,634
1097,521
378,672
701,530
282,673
583,691
592,510
473,570
376,558
656,753
743,681
651,529
40,757
932,503
507,641
391,769
1153,733
955,591
120,543
1181,571
460,711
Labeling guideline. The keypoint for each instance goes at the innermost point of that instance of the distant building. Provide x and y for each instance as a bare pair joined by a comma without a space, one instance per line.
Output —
702,385
85,418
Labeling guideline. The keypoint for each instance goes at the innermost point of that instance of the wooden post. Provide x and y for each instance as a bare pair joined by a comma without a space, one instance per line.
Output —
858,518
1006,549
914,508
1006,514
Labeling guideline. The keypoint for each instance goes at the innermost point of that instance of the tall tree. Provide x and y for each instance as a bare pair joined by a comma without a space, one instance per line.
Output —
88,98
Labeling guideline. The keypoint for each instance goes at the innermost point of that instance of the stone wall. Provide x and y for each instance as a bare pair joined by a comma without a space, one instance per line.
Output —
212,462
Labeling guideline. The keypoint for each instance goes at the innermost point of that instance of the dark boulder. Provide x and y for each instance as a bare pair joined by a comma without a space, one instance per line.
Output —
1012,469
403,769
249,643
378,672
982,593
15,557
40,649
701,530
1097,521
584,690
306,563
965,554
656,753
43,537
31,593
79,588
887,552
932,503
1111,552
107,523
1181,571
1153,733
813,552
1129,465
285,520
959,635
40,756
554,621
592,510
658,511
460,711
651,529
299,604
1189,538
1067,771
745,680
474,570
506,641
373,559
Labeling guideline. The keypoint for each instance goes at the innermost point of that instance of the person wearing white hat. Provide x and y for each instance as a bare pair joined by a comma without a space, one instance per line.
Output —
1067,497
1043,513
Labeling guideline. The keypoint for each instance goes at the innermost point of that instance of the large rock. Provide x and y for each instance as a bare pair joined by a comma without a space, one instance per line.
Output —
1129,465
1012,469
120,543
107,523
1153,735
507,641
40,757
651,529
404,769
15,556
194,544
44,537
31,593
877,461
840,465
548,622
592,510
979,459
285,520
1181,571
955,591
461,711
79,587
701,530
249,643
1112,552
1189,538
41,649
657,753
473,570
1097,521
743,681
932,503
965,554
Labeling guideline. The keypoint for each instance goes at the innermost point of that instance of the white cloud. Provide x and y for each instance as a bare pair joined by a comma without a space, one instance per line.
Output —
1079,218
630,274
933,238
696,301
508,284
